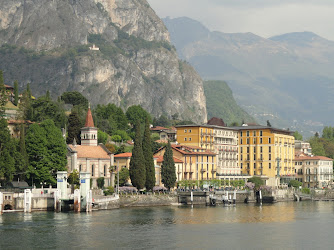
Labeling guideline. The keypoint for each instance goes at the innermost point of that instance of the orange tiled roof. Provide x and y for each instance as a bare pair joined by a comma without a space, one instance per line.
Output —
158,128
89,119
94,152
305,157
160,159
123,155
187,150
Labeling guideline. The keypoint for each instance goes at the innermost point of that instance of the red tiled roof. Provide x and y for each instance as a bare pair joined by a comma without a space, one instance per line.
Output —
89,119
95,152
158,128
8,87
216,121
186,150
319,158
160,159
123,155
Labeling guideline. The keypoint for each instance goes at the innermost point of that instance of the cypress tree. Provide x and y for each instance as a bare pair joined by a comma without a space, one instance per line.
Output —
137,164
7,151
74,128
22,144
16,93
3,95
168,175
148,157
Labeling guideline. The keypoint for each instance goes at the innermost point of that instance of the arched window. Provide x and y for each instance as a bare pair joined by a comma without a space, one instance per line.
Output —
92,170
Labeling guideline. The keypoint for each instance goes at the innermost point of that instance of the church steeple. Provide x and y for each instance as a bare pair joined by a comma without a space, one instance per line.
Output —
89,132
89,119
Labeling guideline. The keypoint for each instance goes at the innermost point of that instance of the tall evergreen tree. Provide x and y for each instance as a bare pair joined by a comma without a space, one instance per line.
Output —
16,93
168,175
148,157
3,95
23,150
74,128
7,150
137,164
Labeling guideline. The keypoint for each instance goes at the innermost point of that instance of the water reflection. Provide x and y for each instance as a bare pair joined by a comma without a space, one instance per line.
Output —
281,225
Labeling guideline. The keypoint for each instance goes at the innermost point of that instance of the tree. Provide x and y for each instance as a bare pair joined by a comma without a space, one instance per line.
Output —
257,181
116,138
102,137
3,95
298,136
23,150
317,146
295,183
74,128
168,175
162,121
74,179
44,108
123,176
75,98
137,165
16,93
46,150
100,182
137,113
148,157
7,149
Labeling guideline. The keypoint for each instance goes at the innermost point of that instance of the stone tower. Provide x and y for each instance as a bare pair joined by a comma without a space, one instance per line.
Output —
89,132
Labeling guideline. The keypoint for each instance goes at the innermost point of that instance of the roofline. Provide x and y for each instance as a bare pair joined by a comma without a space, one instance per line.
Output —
206,126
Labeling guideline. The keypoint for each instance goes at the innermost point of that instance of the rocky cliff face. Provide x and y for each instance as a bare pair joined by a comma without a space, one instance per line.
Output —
46,43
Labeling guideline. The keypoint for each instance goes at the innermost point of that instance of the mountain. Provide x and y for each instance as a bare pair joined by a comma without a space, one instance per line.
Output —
286,79
47,44
220,103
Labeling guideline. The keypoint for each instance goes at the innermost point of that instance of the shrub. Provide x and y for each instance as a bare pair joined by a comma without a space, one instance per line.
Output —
295,183
306,191
109,191
100,182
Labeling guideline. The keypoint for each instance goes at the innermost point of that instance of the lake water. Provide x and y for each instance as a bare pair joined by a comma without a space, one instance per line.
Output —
289,225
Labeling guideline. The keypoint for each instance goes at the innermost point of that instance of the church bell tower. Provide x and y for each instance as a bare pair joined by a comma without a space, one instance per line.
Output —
89,132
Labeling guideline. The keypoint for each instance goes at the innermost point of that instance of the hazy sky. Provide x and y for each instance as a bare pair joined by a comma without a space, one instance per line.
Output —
262,17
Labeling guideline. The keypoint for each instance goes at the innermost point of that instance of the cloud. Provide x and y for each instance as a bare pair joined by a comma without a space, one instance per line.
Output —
262,17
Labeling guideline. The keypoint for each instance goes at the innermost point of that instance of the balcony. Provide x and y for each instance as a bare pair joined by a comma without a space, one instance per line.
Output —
260,159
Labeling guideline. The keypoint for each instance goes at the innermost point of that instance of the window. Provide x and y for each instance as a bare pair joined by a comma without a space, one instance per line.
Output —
185,131
190,139
269,165
247,140
93,170
247,150
240,141
254,165
254,133
260,140
247,133
241,150
254,150
80,168
260,149
241,165
260,132
105,170
185,139
269,149
269,140
254,140
269,157
240,133
189,130
240,157
254,157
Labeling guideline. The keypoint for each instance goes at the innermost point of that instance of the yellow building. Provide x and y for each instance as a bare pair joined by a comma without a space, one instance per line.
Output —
267,152
198,163
196,135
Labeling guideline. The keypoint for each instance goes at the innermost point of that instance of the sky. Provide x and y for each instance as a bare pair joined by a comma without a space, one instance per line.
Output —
262,17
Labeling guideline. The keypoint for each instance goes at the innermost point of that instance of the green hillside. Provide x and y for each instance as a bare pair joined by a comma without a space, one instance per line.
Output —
221,103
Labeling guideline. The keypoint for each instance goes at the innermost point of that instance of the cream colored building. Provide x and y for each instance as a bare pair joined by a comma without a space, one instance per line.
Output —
89,156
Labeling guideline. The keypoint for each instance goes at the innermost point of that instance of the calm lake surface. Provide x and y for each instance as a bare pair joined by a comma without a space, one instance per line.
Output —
288,225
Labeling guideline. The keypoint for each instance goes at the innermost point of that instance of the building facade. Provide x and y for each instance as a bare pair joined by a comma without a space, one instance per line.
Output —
314,171
266,152
223,141
198,163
